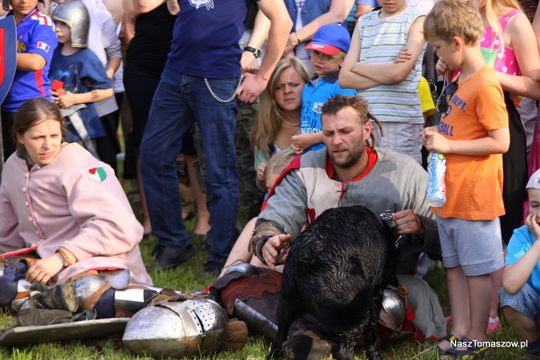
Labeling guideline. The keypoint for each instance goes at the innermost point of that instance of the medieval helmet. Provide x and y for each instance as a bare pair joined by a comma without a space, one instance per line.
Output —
177,329
74,14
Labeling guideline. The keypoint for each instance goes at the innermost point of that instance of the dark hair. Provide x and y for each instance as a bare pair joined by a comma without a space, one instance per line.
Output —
33,111
358,104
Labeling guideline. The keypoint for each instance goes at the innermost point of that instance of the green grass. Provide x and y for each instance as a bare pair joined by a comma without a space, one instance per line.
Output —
186,278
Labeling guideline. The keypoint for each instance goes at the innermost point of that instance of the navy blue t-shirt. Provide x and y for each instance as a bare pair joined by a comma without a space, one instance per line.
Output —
81,72
205,38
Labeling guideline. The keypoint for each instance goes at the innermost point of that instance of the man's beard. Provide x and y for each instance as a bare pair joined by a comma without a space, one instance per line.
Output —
353,157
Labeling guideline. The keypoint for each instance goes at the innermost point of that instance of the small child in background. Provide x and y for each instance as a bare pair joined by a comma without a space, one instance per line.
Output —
375,66
36,42
328,49
82,74
241,251
521,279
473,134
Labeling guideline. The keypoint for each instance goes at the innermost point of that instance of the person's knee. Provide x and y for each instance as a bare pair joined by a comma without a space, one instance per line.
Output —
514,317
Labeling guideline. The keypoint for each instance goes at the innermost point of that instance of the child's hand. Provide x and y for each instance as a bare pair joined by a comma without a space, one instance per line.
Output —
300,142
533,226
260,173
433,141
64,101
403,56
441,67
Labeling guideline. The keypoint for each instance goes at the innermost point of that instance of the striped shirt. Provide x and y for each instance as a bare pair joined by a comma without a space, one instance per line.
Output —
382,40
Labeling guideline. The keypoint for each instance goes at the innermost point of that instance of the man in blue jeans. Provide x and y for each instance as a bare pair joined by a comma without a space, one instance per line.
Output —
200,83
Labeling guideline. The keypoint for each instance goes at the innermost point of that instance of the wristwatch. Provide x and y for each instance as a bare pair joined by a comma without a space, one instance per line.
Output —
255,52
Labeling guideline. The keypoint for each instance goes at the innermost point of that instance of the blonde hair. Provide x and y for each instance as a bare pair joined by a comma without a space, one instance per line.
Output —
449,18
493,11
268,122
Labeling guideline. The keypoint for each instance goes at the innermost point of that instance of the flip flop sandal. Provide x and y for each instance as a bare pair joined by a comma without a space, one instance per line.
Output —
450,353
471,351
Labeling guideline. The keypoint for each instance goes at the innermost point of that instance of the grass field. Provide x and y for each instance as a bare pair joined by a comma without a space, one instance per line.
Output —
185,277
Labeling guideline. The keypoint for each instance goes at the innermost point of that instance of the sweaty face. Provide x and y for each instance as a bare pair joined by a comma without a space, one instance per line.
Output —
289,87
345,137
42,141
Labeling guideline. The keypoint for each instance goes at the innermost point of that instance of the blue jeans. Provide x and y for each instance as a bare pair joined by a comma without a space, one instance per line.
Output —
179,101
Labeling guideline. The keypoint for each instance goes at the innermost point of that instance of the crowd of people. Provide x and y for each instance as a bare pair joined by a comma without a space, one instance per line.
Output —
292,107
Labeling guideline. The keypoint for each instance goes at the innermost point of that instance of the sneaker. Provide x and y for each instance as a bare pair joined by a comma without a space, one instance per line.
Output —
168,257
211,268
494,325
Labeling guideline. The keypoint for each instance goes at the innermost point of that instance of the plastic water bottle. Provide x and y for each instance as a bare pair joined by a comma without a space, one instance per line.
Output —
436,187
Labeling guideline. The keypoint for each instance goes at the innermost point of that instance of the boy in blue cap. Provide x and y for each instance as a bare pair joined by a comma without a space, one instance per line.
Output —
328,49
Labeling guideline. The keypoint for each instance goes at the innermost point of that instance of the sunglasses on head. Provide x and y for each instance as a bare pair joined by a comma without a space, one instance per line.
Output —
448,91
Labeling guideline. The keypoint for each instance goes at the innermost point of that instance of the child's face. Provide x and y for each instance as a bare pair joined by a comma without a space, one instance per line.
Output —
392,6
325,65
63,32
447,52
534,203
23,7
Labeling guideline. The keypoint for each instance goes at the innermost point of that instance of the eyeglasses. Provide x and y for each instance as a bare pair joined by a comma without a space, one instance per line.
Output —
322,57
446,94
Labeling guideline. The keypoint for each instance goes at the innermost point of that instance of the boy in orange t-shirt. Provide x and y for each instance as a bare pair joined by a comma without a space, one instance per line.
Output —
473,134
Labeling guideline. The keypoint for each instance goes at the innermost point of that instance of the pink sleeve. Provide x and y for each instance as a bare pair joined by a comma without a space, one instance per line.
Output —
9,236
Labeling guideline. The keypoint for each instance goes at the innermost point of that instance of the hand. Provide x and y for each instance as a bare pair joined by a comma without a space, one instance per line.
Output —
260,172
434,141
441,68
403,56
292,41
63,101
300,142
44,269
173,7
272,250
252,86
533,226
407,222
248,63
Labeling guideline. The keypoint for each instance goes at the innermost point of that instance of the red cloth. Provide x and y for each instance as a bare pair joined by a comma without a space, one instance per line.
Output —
255,286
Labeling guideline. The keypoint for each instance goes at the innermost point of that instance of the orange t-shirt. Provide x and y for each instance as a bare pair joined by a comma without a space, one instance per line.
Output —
474,183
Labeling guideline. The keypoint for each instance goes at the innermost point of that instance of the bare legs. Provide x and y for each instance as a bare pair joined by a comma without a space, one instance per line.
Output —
203,216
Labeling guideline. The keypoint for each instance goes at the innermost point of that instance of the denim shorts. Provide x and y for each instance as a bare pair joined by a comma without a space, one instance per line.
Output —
526,301
474,245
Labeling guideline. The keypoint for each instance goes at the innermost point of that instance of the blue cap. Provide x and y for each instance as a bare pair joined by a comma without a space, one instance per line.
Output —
330,40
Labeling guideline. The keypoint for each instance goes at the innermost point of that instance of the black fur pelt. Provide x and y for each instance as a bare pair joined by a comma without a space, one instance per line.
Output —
336,271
